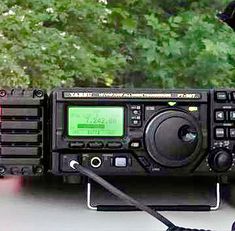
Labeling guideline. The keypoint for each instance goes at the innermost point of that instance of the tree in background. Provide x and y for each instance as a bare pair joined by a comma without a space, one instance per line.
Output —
135,43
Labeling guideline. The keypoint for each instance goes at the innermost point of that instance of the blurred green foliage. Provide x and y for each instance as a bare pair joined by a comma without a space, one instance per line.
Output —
134,43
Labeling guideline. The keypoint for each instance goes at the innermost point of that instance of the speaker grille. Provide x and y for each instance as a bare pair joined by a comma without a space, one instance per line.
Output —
22,125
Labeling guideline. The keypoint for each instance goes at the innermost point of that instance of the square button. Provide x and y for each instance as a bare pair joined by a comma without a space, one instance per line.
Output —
219,116
135,144
221,96
136,123
120,162
232,133
233,95
220,133
232,115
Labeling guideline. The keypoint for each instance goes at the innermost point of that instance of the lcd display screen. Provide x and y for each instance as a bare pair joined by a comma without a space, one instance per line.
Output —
95,121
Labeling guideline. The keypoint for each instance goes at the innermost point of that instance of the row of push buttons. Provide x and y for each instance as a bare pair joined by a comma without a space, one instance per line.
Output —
136,115
223,96
222,116
222,133
98,144
95,144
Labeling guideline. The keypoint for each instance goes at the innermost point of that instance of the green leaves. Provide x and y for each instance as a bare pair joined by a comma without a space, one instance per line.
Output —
129,24
54,43
167,44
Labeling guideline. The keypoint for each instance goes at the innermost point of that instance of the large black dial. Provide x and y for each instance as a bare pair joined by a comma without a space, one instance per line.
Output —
173,138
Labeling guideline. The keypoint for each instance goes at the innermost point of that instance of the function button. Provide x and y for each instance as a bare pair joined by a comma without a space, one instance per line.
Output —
143,161
232,115
136,123
219,116
114,145
220,133
135,144
120,162
232,133
221,96
135,117
95,144
136,112
78,144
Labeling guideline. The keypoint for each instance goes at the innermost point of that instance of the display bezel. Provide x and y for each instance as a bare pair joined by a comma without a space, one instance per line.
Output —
94,137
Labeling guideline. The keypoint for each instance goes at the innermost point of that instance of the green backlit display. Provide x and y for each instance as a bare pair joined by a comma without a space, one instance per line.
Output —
95,121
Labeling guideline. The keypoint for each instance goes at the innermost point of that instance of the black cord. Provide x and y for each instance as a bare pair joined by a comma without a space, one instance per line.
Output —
120,194
233,227
84,171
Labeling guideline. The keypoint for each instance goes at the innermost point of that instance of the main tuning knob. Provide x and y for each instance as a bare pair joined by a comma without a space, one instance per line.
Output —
220,160
173,138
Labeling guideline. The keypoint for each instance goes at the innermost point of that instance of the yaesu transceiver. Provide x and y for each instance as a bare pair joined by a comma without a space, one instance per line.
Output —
143,131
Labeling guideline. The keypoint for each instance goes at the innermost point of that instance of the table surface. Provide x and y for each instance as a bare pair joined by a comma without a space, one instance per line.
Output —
41,207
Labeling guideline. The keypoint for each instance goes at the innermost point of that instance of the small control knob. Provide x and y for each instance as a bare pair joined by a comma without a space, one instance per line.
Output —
220,160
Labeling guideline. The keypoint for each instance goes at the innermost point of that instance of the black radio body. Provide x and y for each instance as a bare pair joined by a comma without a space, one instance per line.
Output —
143,131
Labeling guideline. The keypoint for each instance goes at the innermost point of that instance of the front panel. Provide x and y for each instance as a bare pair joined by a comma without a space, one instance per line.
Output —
131,132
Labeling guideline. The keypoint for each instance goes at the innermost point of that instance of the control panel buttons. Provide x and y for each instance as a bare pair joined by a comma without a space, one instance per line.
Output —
135,144
120,162
220,133
221,96
220,116
232,133
135,116
114,145
136,112
78,144
95,144
232,115
136,122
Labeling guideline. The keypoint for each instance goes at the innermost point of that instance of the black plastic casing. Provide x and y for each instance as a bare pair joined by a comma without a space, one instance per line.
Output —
199,104
22,131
